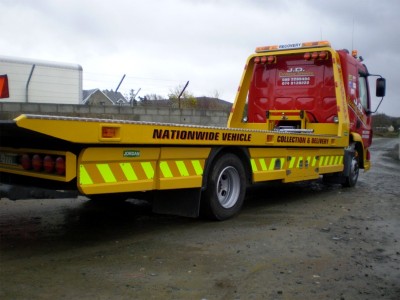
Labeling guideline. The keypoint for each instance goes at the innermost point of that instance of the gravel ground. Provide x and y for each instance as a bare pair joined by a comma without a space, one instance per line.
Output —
294,241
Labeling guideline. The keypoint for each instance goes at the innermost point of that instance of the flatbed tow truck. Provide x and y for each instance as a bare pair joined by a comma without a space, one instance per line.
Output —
301,111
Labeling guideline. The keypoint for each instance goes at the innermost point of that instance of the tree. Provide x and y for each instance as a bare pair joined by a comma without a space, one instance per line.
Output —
154,97
187,100
380,121
176,91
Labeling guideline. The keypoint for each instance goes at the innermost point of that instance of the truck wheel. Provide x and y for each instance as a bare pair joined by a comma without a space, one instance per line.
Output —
226,188
351,180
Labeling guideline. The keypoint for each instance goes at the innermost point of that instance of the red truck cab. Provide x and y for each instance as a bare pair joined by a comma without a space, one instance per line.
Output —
355,78
303,80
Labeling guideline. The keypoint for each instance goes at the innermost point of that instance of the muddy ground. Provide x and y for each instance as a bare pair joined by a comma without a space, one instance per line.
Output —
297,241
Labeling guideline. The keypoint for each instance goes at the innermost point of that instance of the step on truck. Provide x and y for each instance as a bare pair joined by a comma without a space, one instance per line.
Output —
302,111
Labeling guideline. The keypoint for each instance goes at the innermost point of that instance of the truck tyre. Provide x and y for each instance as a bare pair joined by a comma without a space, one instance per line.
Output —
351,179
226,188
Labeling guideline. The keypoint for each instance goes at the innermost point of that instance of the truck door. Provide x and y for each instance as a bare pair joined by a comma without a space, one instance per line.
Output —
364,108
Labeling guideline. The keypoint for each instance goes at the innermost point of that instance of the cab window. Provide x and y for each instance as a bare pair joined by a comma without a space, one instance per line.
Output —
363,91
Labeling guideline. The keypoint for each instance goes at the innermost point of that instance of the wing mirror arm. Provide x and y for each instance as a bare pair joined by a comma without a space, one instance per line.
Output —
380,91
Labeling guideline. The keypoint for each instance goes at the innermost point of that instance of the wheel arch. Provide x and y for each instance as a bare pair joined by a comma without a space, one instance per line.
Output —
356,139
241,152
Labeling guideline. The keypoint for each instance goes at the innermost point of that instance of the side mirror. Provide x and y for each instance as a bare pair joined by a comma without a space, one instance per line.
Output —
4,93
380,87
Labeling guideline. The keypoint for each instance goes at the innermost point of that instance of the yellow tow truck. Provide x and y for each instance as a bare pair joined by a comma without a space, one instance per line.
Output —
302,111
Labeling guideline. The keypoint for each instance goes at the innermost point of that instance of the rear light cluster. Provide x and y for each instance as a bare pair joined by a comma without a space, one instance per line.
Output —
43,163
316,55
270,59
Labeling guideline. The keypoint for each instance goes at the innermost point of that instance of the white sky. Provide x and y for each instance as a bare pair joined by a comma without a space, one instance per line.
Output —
160,45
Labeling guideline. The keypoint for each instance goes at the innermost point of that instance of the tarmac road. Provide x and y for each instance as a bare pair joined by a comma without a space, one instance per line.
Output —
296,241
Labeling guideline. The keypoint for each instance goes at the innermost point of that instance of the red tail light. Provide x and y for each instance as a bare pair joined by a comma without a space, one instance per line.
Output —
271,59
26,162
307,56
60,165
37,162
315,55
263,59
323,55
48,164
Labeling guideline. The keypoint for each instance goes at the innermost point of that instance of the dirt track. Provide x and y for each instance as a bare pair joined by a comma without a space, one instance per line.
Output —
297,241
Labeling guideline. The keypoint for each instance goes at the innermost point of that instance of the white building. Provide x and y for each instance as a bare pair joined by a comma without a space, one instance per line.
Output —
39,81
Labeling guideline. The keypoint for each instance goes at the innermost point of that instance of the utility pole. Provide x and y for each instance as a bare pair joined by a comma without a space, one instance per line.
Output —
123,77
180,95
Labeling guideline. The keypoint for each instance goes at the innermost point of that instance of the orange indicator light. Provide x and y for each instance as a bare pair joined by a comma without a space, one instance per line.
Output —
109,132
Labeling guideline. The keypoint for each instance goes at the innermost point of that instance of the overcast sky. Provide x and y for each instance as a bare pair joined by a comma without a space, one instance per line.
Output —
160,45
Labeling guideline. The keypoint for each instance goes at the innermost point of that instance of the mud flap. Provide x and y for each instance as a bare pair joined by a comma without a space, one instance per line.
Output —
181,202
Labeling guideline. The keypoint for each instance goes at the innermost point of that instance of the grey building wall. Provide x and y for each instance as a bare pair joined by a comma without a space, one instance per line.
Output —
9,111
